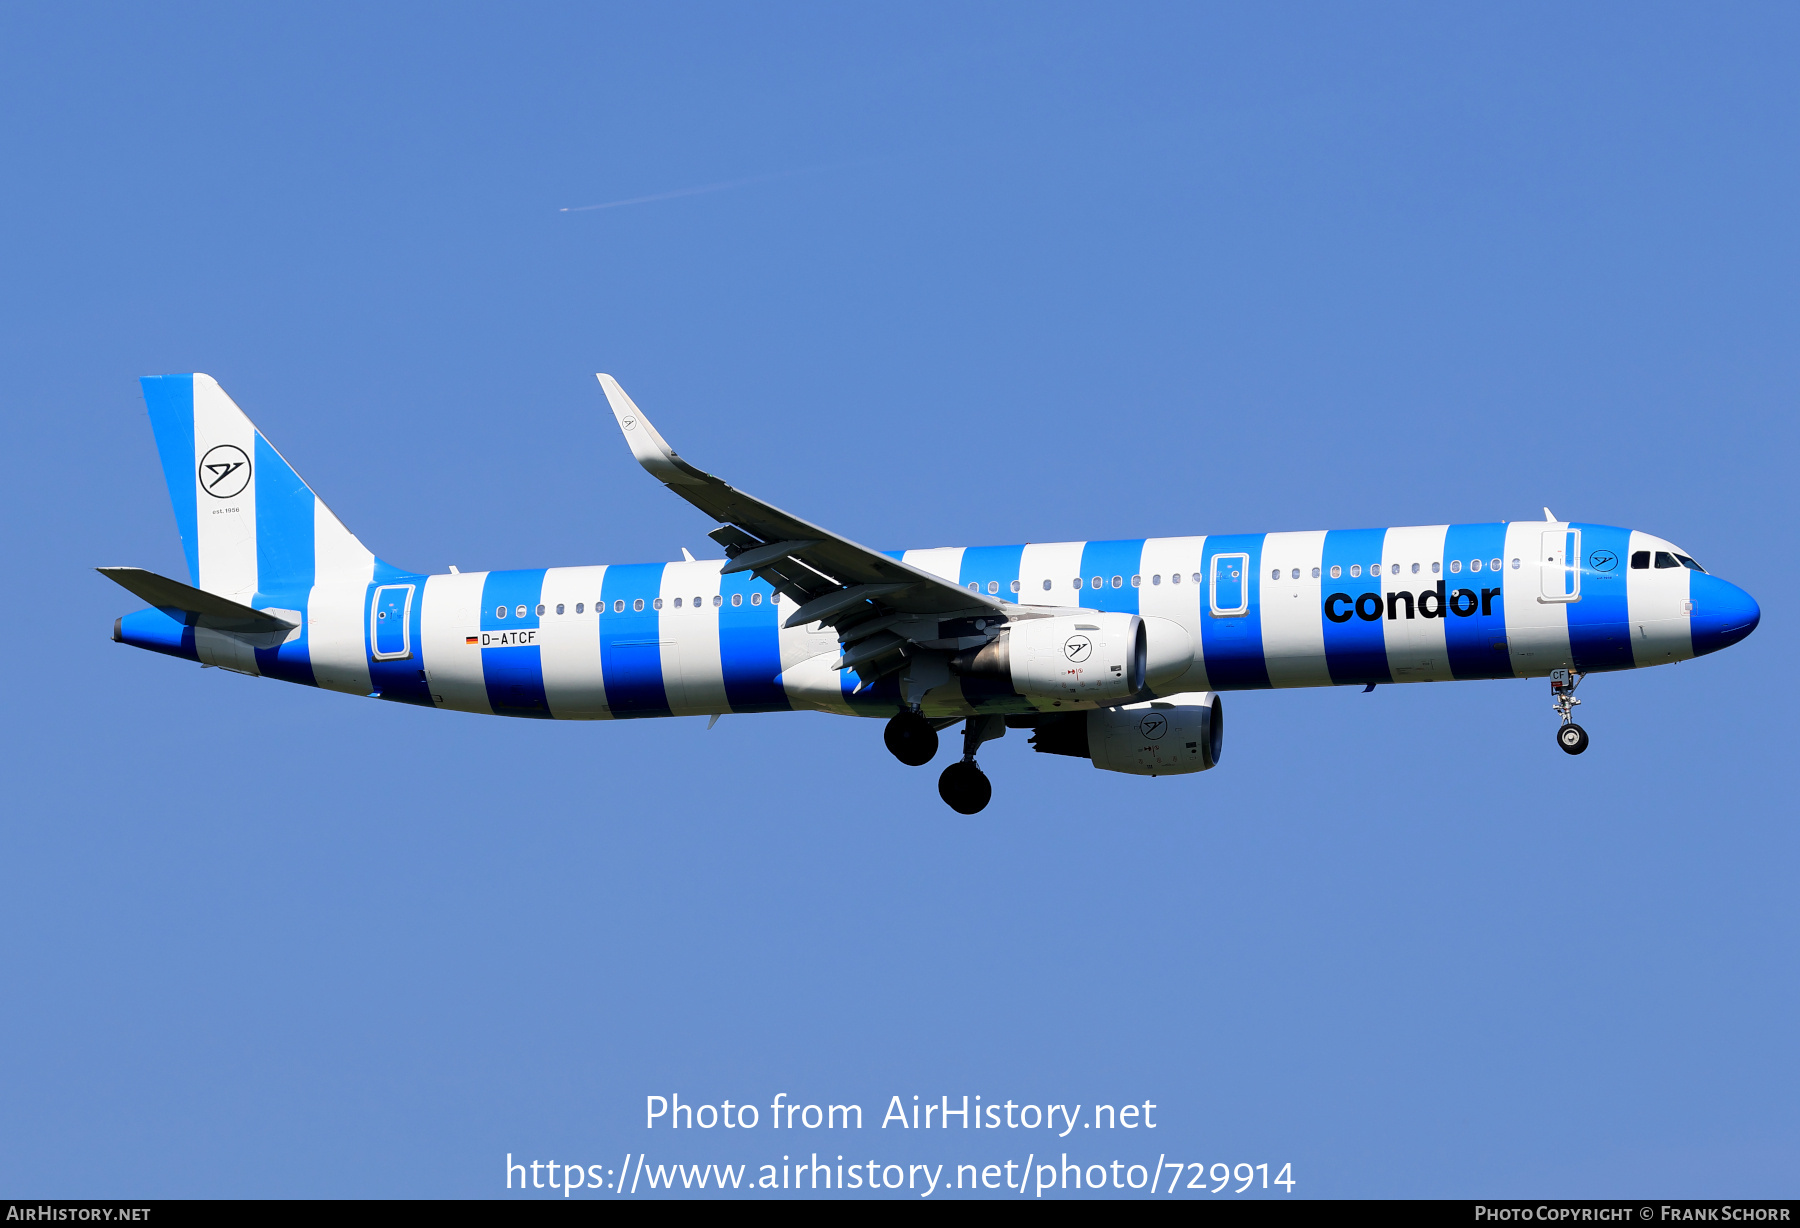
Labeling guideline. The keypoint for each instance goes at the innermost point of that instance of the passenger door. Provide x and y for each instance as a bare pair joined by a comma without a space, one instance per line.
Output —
1230,585
390,622
1559,566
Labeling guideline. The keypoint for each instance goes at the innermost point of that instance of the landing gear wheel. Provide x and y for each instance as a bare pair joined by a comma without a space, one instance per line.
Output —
965,788
911,738
1572,738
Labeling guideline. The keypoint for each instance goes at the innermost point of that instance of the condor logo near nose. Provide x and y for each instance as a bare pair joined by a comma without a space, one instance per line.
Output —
1429,604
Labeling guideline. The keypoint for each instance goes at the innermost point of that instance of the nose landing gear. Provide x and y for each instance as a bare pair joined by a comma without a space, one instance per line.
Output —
964,786
1571,737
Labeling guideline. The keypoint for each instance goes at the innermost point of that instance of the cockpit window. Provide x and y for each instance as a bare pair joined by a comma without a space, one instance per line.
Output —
1665,559
1640,559
1690,564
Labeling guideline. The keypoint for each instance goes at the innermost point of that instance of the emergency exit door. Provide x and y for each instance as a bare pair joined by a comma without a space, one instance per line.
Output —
390,622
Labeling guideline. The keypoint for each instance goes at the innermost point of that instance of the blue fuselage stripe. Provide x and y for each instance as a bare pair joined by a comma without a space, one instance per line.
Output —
1475,606
1233,645
1352,611
631,640
514,675
1105,562
1599,624
750,645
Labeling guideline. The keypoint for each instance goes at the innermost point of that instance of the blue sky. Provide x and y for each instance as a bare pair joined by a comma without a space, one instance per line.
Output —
988,274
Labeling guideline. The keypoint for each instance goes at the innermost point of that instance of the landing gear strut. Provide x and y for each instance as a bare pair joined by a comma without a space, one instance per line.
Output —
1571,737
964,786
911,738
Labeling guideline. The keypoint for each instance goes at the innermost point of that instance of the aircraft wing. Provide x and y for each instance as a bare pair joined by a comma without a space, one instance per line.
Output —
831,578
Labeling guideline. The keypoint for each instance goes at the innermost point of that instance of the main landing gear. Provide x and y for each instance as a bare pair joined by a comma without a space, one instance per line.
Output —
964,786
911,738
1571,737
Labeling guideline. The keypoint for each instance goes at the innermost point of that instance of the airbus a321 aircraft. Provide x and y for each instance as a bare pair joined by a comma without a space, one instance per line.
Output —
1110,651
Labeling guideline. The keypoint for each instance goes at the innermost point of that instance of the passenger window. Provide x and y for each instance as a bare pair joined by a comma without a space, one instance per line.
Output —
1434,568
1640,560
1690,564
1665,559
755,598
1415,569
717,601
1355,570
1097,582
540,611
1175,579
1494,564
1156,580
1015,586
657,603
1474,564
1497,564
521,611
1295,575
737,599
1118,582
1196,577
580,606
678,603
1137,582
1046,586
1315,573
619,606
974,586
1336,571
1274,573
559,608
637,605
499,611
698,603
993,587
1455,566
1395,569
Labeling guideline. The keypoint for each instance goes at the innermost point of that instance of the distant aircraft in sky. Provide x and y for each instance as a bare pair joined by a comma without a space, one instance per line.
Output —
1110,651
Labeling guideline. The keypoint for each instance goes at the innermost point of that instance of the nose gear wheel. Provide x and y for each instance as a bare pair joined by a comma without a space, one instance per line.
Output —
1571,737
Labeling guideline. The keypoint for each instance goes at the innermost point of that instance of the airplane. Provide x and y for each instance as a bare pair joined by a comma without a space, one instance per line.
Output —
1111,651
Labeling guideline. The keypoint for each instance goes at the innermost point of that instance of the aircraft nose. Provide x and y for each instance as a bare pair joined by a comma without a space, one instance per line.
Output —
1723,613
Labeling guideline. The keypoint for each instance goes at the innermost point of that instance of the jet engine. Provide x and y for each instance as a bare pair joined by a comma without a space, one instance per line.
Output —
1164,737
1094,657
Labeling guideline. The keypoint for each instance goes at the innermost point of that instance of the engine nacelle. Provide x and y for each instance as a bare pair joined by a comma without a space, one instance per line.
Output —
1084,657
1165,737
1092,657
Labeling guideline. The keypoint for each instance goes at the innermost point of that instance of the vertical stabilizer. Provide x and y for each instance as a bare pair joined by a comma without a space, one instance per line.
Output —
248,524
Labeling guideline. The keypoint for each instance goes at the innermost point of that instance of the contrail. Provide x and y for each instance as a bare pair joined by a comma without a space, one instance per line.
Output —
702,189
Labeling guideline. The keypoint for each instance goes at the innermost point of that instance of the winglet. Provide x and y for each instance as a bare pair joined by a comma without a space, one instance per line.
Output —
650,449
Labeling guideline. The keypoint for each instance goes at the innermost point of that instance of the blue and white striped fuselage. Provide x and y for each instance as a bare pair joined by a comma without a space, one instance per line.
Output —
1353,607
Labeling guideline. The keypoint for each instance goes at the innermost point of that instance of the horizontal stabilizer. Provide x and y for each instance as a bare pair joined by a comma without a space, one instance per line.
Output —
190,605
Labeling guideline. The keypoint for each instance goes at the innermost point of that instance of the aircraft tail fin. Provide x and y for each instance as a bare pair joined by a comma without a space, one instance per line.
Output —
249,525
